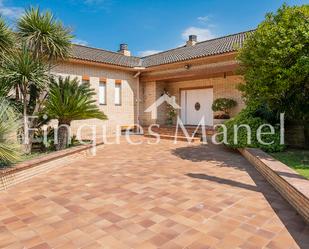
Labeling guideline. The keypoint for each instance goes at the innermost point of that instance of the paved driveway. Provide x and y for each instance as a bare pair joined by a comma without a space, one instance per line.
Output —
150,196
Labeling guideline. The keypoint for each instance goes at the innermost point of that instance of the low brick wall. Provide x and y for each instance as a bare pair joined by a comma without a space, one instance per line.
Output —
26,170
292,186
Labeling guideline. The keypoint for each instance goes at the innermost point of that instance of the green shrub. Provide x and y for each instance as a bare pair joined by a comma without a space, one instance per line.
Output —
171,114
246,118
223,105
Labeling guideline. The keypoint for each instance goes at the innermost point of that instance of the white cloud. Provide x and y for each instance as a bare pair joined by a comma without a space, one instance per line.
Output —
203,19
211,25
148,52
11,12
80,42
201,33
94,5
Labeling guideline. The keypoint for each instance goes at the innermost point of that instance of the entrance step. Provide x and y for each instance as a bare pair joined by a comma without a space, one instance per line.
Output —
169,132
179,138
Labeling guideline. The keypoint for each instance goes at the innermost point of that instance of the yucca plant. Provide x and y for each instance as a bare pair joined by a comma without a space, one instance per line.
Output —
9,125
67,101
44,35
40,41
6,36
22,70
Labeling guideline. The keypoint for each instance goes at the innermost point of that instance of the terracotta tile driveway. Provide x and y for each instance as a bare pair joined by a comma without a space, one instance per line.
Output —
150,196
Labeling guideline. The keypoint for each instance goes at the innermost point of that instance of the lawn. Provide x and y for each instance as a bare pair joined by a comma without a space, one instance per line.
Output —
294,159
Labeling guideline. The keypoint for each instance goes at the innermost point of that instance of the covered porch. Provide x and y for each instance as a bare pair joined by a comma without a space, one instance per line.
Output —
194,85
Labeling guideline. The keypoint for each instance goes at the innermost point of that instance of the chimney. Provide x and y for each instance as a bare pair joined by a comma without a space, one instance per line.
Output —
123,49
192,40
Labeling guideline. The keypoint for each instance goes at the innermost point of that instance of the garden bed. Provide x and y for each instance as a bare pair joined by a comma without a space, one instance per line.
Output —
295,159
25,170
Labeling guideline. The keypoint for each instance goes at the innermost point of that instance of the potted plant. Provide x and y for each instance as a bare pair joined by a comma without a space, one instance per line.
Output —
223,106
171,114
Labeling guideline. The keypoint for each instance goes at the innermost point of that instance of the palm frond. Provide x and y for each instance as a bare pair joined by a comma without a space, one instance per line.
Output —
44,35
21,68
4,88
9,124
6,36
68,100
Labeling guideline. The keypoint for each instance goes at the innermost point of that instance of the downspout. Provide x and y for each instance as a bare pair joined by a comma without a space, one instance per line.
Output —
138,101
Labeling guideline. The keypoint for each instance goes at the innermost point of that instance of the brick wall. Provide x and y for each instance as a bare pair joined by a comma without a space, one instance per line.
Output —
222,88
26,170
117,115
293,187
162,110
148,96
149,93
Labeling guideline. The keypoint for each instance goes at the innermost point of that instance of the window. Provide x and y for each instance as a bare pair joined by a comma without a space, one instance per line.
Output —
102,93
86,80
118,92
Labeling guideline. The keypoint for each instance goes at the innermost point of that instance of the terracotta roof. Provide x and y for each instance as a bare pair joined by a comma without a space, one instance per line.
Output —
201,49
103,56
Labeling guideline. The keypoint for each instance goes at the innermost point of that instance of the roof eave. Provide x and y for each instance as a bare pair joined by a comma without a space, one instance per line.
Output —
192,60
99,64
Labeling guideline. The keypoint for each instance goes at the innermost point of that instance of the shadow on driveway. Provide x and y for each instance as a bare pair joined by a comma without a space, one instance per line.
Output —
223,157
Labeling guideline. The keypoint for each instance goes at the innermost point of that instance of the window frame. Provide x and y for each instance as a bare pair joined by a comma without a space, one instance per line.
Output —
101,82
118,83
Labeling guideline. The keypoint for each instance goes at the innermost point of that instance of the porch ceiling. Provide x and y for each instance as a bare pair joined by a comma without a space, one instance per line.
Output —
208,71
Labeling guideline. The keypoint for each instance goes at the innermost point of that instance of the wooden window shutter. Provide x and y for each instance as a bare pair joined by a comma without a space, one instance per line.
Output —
85,77
103,79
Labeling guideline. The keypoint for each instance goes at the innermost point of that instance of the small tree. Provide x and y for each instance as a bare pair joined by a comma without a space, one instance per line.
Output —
67,101
275,64
224,105
22,70
39,41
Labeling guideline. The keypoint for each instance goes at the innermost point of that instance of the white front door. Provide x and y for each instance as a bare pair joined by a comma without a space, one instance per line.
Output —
196,104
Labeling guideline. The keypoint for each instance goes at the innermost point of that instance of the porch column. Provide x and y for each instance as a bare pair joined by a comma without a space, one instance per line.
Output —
152,91
149,99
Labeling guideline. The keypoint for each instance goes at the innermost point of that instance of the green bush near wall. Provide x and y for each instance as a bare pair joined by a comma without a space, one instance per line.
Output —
245,117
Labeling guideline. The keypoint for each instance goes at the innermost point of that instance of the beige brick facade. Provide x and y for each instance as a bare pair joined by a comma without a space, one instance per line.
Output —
117,115
149,92
223,87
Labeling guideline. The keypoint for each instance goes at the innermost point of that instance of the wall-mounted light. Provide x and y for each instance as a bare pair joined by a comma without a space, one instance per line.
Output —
187,66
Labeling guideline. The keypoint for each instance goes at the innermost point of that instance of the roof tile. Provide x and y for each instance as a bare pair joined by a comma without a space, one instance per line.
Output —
201,49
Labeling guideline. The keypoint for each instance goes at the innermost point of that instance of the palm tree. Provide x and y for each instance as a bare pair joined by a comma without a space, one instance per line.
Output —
48,40
30,75
6,36
9,124
67,101
44,35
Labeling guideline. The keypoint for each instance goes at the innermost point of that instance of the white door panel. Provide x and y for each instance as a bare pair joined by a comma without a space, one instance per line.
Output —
183,104
196,104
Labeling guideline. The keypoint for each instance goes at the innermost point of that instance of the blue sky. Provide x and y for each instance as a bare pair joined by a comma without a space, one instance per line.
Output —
149,26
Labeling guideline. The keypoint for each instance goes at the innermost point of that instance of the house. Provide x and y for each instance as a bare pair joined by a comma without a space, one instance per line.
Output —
195,74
